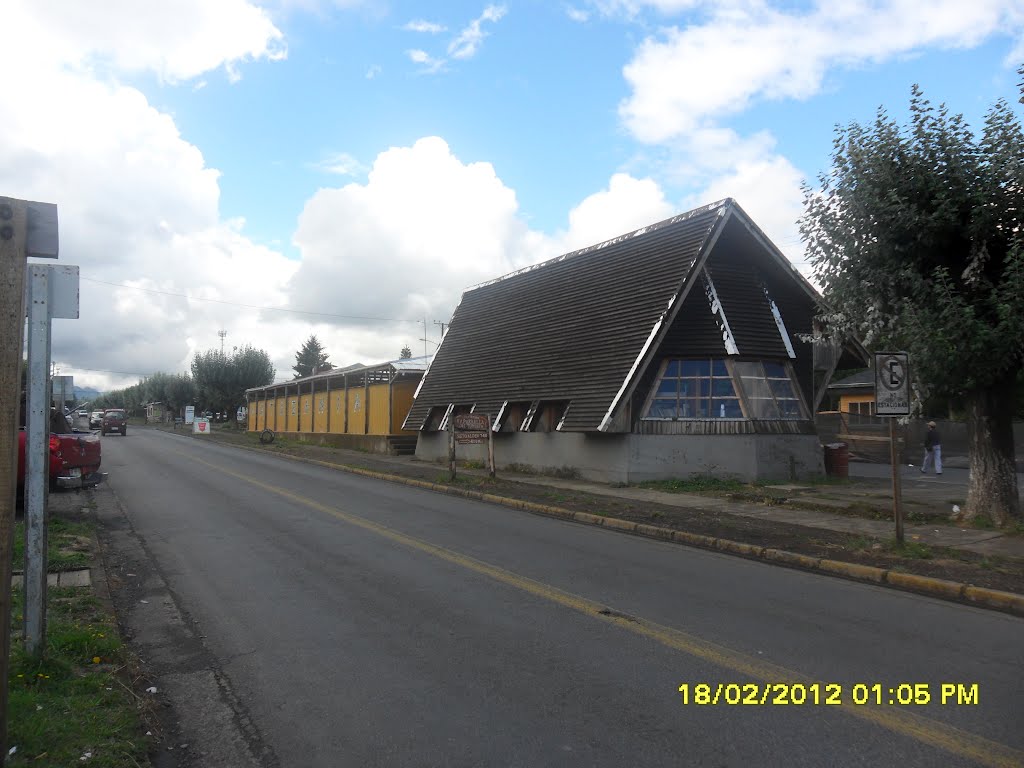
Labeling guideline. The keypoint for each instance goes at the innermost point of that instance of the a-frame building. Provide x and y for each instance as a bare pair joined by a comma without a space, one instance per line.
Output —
683,347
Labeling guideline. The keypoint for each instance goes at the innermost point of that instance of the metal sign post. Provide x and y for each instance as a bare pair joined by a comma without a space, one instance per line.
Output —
52,292
892,399
37,465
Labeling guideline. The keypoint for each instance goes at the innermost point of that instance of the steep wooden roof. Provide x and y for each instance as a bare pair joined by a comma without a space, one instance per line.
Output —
571,328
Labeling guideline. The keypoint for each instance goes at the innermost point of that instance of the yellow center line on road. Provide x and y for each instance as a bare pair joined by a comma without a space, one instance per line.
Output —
903,722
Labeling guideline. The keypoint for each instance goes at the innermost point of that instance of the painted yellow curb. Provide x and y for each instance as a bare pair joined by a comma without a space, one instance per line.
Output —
1009,602
792,558
952,590
853,570
994,598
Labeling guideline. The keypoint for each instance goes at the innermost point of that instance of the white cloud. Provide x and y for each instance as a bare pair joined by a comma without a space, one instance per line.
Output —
373,71
137,203
463,46
177,40
577,14
626,204
420,25
685,77
342,164
438,224
424,227
688,80
428,64
468,41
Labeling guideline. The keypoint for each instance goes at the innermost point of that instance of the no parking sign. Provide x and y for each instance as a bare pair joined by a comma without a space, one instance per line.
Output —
892,384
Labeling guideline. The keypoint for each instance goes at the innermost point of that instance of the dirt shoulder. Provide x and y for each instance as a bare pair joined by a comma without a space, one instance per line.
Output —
992,572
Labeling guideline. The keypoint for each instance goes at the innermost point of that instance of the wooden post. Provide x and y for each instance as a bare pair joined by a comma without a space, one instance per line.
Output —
13,225
490,447
894,457
451,447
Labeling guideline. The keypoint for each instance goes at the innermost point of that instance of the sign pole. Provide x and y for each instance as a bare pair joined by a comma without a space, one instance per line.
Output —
451,448
37,425
490,447
892,399
894,457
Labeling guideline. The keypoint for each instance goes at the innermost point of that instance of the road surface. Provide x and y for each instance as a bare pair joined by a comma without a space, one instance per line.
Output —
298,616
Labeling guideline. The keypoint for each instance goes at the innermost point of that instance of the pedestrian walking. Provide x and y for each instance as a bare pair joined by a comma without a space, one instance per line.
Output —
932,450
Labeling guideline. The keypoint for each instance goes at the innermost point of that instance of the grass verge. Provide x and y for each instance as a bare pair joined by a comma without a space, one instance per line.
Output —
68,545
72,706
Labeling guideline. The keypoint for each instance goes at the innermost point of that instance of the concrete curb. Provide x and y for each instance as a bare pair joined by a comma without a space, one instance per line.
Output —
1008,602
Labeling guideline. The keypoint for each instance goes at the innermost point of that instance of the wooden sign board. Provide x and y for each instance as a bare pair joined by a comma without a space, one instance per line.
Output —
471,428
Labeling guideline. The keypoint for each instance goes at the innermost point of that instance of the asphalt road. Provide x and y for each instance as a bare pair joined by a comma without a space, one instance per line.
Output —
315,618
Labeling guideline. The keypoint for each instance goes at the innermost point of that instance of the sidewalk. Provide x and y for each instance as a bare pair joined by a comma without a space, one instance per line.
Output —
917,494
922,496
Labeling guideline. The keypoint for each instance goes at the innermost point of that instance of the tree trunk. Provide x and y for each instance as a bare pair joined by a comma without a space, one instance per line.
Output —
992,485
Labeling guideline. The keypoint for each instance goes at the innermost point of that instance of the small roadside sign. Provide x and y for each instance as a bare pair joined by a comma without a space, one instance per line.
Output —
892,384
471,428
201,427
892,398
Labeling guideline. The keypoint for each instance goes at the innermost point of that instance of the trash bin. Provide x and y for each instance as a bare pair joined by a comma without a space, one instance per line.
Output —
837,460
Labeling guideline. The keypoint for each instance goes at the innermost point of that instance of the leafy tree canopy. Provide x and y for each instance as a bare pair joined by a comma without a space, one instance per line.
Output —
406,353
311,359
917,238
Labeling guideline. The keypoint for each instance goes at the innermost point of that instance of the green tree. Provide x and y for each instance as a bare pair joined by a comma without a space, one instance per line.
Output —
311,359
181,391
916,238
405,354
252,368
220,381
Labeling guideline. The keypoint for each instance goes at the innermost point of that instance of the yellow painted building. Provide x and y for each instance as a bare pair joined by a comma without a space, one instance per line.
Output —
359,406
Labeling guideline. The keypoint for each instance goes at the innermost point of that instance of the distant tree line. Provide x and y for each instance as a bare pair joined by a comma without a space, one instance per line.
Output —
217,383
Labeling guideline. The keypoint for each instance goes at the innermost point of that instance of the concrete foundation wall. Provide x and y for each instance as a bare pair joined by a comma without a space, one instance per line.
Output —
634,458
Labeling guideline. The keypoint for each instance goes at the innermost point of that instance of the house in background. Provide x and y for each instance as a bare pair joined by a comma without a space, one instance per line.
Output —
680,348
856,393
361,406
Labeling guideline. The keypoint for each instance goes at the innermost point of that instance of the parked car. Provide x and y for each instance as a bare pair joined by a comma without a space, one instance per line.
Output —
96,419
114,420
74,456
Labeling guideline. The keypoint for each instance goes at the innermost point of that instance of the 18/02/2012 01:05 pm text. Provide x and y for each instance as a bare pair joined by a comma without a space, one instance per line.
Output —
828,694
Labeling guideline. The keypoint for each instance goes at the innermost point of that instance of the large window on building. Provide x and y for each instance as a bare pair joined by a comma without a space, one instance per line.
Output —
695,389
724,389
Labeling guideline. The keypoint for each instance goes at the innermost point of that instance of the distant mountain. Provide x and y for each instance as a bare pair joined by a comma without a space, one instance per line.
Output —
85,394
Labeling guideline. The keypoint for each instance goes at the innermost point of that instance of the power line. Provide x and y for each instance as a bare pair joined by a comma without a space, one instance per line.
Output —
249,306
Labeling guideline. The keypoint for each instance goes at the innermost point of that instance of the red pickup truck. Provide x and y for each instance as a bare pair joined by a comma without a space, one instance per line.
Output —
74,456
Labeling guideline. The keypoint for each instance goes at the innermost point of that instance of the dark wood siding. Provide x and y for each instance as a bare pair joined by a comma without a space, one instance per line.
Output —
568,329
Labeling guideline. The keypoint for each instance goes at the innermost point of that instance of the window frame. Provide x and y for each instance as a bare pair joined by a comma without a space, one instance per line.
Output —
744,399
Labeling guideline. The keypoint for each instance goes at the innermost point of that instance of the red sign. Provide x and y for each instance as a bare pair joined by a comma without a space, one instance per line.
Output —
202,426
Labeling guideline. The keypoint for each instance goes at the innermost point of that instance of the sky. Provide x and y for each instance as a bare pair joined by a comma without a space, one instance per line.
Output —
347,168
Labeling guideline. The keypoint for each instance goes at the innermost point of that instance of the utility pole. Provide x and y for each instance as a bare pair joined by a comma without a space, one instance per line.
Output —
17,243
443,326
12,326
